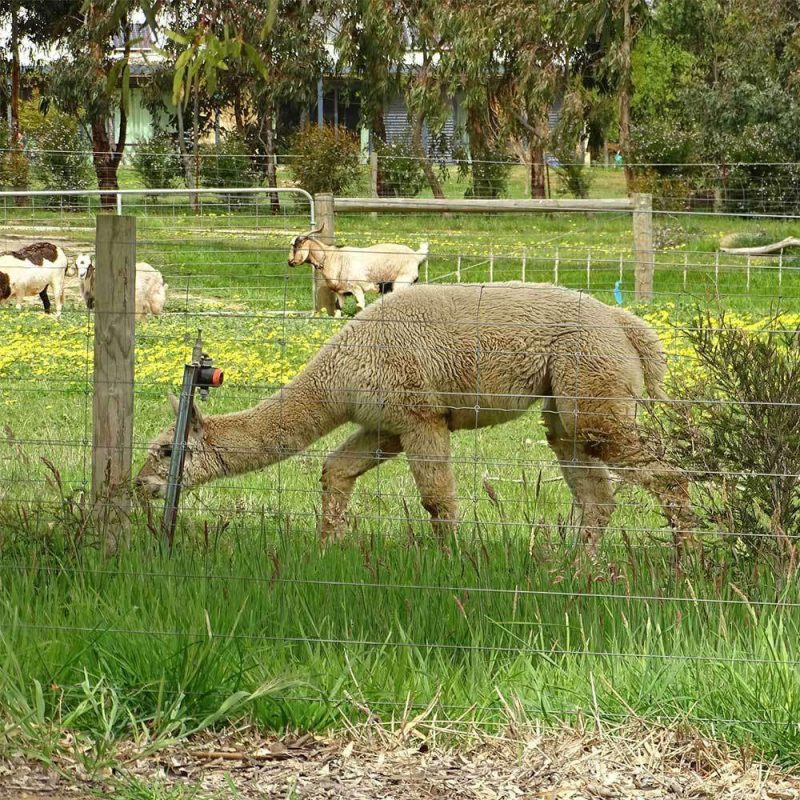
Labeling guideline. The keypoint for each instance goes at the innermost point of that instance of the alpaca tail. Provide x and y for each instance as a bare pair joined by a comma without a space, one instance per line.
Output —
650,349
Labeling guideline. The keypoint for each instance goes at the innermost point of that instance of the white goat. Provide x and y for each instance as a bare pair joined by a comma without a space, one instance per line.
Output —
151,291
354,270
32,269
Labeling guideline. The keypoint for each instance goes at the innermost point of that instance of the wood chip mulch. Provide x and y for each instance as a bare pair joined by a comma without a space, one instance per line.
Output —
639,762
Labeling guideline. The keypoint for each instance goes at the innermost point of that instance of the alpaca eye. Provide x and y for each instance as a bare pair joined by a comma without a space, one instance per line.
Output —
166,451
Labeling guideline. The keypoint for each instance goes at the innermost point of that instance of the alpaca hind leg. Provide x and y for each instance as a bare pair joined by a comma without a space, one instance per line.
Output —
357,455
428,449
588,478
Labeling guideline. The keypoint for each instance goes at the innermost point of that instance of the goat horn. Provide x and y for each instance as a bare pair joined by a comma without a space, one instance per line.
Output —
313,232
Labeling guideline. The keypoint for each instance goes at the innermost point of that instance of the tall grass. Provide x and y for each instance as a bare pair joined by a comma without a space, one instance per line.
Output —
384,621
250,616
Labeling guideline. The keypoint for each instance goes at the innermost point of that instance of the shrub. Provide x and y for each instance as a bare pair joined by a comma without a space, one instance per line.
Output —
62,159
228,164
327,159
488,175
157,161
670,192
401,169
740,437
574,177
14,165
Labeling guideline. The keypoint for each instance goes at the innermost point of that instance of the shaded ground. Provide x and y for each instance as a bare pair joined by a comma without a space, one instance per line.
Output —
551,765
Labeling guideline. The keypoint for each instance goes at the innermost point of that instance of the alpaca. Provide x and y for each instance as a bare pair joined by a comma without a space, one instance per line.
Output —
416,366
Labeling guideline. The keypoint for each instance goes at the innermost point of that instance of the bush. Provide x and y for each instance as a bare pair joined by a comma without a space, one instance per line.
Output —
741,437
62,159
400,169
327,159
228,165
574,177
488,174
14,165
157,161
670,192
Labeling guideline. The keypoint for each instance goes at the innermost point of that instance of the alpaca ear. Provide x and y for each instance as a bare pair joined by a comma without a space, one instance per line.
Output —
196,418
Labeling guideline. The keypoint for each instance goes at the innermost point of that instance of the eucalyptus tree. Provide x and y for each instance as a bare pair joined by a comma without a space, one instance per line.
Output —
506,61
604,33
91,81
371,43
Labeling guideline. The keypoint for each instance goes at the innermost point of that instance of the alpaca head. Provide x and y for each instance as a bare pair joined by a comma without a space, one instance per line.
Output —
202,461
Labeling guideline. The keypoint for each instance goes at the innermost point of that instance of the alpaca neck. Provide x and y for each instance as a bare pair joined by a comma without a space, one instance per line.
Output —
276,429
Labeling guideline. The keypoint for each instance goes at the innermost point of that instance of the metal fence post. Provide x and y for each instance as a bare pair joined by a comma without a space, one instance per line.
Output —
112,406
643,254
326,220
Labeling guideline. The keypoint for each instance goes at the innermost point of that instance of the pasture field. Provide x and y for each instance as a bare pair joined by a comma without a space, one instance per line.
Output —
249,617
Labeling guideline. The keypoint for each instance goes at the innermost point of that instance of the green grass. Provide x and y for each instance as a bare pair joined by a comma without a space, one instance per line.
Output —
249,616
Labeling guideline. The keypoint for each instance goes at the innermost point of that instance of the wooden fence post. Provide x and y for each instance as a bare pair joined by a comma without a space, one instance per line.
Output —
643,246
112,406
326,219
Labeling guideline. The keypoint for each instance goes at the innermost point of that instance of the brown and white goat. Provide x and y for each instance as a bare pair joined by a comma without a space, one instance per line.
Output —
32,270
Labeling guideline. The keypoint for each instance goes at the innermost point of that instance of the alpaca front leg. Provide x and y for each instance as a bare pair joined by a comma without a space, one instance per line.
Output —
357,455
428,450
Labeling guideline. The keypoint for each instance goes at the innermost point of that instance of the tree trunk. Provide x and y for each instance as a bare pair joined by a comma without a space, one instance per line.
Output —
427,167
196,132
15,73
105,166
379,137
238,114
186,160
17,158
479,153
537,138
267,137
106,156
625,91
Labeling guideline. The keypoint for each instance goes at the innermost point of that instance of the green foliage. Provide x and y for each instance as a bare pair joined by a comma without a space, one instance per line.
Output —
662,71
228,164
61,160
157,161
14,164
401,169
740,436
574,177
488,173
327,159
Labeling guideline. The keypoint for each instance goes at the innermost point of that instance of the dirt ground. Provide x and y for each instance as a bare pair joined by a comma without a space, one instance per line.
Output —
634,762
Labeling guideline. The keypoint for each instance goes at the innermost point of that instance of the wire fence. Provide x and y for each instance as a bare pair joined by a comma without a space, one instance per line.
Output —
610,556
722,187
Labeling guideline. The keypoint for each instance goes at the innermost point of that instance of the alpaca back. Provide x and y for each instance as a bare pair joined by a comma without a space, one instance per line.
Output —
476,349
